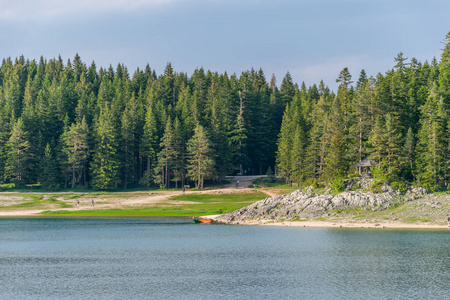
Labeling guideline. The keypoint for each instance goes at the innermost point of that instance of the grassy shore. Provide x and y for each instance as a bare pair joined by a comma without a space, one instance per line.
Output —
180,206
430,210
129,204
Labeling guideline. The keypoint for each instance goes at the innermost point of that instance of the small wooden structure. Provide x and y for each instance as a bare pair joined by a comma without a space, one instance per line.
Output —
366,163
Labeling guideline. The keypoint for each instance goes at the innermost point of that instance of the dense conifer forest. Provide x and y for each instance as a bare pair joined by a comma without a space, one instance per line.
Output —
67,124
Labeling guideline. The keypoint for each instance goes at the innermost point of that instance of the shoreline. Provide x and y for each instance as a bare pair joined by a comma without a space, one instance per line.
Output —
329,224
306,224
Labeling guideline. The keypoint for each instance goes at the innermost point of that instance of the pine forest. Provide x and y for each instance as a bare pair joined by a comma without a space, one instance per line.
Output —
65,124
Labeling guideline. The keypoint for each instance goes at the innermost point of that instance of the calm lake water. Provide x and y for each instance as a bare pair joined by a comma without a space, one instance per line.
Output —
169,258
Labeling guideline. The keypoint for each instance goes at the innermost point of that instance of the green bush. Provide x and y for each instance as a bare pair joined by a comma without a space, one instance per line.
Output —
353,175
338,184
427,182
375,186
379,174
52,187
269,172
313,182
7,186
400,185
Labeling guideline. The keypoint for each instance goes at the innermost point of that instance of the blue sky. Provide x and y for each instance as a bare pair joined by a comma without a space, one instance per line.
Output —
312,39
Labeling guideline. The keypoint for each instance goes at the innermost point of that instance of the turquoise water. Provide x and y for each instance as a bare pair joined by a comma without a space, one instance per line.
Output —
169,258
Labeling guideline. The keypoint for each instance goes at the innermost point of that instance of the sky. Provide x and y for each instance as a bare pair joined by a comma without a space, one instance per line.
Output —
312,39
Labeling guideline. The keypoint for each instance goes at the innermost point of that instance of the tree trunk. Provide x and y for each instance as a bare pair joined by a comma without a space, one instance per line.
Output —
73,176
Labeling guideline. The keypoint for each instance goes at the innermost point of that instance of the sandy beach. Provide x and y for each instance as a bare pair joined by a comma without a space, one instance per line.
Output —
325,224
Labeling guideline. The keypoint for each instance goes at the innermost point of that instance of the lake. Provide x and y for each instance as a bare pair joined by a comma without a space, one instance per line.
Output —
171,258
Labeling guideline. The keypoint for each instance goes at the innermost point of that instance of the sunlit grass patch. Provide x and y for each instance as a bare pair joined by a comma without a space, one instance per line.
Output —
200,204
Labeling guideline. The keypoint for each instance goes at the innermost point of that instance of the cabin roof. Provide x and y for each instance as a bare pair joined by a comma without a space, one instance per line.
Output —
366,163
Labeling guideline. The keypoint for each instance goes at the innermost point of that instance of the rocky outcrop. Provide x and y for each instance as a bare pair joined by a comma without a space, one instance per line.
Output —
307,204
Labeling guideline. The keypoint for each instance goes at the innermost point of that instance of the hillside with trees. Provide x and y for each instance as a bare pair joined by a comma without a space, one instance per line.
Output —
67,124
399,119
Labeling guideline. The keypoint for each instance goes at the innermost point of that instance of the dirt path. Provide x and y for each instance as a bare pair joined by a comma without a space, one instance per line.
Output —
128,200
243,181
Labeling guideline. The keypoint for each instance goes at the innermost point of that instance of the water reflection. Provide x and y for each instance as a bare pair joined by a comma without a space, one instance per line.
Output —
174,259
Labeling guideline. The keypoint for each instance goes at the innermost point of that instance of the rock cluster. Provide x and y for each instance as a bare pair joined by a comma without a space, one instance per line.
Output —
307,204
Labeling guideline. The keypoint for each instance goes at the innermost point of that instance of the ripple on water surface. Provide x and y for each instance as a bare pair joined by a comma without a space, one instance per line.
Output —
171,258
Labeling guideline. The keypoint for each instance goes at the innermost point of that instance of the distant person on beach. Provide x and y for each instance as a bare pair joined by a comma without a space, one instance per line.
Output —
78,204
92,203
448,221
237,183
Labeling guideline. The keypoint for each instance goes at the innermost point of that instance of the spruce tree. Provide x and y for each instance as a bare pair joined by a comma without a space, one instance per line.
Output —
200,160
179,159
4,135
393,142
335,160
432,141
17,167
297,161
129,138
106,161
285,147
344,93
239,136
444,70
76,150
165,157
50,170
149,146
409,155
376,141
362,121
287,89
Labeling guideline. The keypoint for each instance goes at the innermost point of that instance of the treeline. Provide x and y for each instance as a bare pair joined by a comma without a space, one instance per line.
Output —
65,124
400,119
68,125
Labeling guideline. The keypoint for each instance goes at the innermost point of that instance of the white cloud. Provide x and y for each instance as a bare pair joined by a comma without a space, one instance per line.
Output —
35,9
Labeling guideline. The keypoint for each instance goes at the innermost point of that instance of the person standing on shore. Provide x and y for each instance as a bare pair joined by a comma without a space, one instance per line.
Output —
448,221
78,204
92,203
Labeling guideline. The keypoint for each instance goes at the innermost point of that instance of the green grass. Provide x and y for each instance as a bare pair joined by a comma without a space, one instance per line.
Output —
38,202
412,219
273,183
221,198
416,219
201,204
137,212
269,182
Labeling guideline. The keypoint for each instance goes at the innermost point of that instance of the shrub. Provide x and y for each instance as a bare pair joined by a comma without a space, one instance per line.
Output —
400,185
269,172
52,187
338,184
375,186
311,182
427,182
379,173
7,186
353,175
